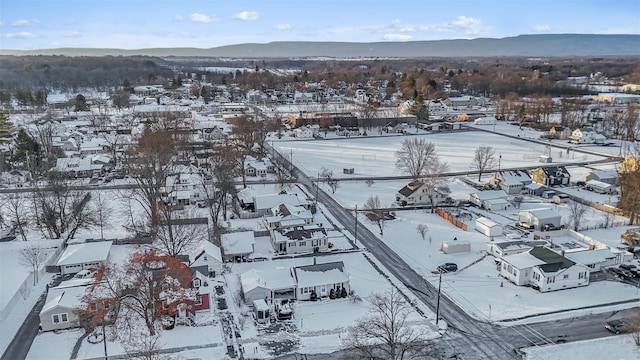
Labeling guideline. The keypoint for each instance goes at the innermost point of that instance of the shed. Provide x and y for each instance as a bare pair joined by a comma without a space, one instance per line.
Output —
455,247
488,227
261,311
600,187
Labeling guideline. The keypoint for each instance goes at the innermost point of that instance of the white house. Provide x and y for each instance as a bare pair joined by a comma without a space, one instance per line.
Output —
416,193
320,278
305,132
487,120
287,216
510,247
544,270
606,176
490,199
264,204
586,135
299,239
488,227
208,259
594,259
511,182
83,256
59,310
539,217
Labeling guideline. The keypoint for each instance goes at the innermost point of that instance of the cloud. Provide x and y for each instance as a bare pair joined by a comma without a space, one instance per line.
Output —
202,18
26,22
397,37
281,27
71,34
541,28
246,16
20,35
178,17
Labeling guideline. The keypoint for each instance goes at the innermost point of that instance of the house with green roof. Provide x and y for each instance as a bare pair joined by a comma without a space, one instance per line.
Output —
543,269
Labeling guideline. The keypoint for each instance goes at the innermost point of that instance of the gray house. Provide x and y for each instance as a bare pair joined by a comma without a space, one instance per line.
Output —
59,310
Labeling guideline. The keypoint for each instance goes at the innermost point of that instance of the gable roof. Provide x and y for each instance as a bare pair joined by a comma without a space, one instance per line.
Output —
318,274
68,298
272,279
238,242
85,253
209,248
552,260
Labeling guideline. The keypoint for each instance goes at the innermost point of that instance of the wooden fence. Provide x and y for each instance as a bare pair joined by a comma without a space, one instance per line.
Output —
445,215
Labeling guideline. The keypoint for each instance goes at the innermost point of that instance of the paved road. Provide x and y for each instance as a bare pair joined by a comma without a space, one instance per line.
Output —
19,346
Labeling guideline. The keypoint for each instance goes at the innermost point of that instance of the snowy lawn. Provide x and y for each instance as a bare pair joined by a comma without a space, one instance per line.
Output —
619,347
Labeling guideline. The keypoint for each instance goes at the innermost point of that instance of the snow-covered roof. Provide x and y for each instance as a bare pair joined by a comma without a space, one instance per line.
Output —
273,279
85,253
588,257
68,298
523,260
269,201
542,213
238,242
209,248
486,222
489,194
320,274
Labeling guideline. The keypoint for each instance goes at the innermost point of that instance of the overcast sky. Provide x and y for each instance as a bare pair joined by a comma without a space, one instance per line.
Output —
133,24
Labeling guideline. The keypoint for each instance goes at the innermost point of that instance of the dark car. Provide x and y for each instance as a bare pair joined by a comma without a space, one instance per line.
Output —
551,227
628,267
448,267
616,326
621,272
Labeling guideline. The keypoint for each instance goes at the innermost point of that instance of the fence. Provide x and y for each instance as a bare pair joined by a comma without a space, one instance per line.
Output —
445,215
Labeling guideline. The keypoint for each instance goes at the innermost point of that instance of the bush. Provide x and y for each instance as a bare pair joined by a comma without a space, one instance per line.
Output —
343,293
332,294
314,296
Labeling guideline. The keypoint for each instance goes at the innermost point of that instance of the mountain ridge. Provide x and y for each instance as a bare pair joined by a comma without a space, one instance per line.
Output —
548,45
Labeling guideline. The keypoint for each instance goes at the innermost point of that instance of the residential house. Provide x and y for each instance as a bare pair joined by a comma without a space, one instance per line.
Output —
202,297
94,146
15,178
299,239
256,168
461,101
510,181
269,285
544,270
264,204
320,279
60,308
416,193
594,259
586,135
305,131
560,132
303,97
287,216
501,249
84,256
605,176
551,176
237,246
534,189
490,199
539,217
184,188
77,167
208,259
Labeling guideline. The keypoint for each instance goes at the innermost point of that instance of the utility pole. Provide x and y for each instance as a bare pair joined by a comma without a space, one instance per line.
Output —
355,231
104,340
438,301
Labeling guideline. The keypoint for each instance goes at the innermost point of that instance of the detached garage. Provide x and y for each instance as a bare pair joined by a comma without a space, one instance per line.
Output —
539,217
488,227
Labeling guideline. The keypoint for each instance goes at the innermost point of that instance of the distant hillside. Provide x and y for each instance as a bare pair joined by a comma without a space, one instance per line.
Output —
523,45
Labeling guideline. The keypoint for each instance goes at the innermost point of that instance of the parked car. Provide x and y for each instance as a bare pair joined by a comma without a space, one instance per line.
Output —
448,267
524,225
628,267
551,227
621,272
616,326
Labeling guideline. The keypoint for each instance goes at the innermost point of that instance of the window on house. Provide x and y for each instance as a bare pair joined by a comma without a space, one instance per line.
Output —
64,317
165,306
198,300
56,318
197,283
566,277
302,243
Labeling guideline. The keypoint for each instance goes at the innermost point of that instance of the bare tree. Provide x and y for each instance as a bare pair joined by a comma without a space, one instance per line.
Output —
385,332
434,182
422,229
634,326
283,173
629,174
414,156
577,212
177,234
103,211
374,212
327,176
247,134
517,201
369,182
149,164
33,256
483,159
17,211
